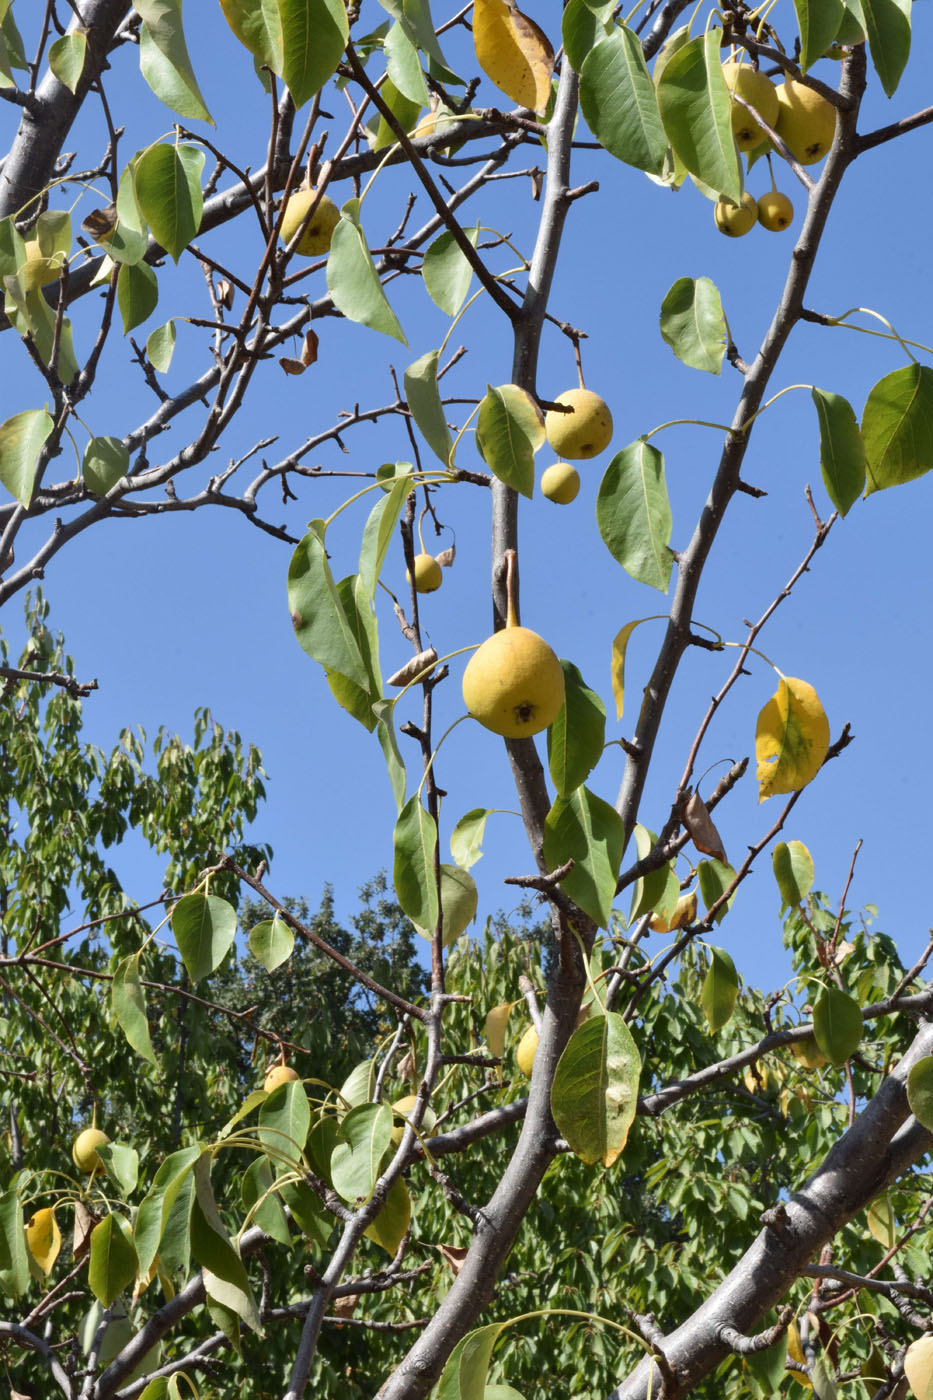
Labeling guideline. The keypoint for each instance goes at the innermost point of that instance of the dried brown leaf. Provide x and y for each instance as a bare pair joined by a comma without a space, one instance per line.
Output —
702,832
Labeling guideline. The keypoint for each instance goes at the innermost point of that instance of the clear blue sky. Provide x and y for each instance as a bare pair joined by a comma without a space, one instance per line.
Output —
190,610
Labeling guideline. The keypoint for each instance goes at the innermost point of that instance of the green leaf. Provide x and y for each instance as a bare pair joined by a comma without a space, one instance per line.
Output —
225,1277
106,460
634,514
365,1136
693,325
391,1224
720,990
314,35
648,890
359,1086
818,22
128,241
122,1163
164,60
358,700
271,942
882,1222
920,1091
168,187
575,739
793,870
161,346
33,316
466,839
284,1120
66,58
424,400
766,1368
112,1266
897,427
14,1258
137,294
318,617
509,431
352,279
256,1191
258,26
585,829
406,78
581,30
464,1376
595,1089
837,1025
379,530
204,927
154,1211
715,878
459,898
405,113
887,27
129,1006
22,438
308,1211
415,841
618,100
824,1386
446,272
619,647
695,107
842,451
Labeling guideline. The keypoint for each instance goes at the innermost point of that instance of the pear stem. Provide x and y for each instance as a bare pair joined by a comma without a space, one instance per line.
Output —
511,614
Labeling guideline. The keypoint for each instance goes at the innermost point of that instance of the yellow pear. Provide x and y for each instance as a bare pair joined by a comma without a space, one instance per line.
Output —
775,211
560,483
585,431
918,1367
525,1051
806,122
514,684
316,238
736,219
278,1074
428,574
84,1151
403,1108
759,92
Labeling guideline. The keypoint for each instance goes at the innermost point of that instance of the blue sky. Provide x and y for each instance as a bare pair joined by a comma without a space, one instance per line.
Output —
190,610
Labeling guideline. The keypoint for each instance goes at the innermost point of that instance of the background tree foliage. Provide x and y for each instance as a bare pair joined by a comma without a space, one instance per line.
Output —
701,1185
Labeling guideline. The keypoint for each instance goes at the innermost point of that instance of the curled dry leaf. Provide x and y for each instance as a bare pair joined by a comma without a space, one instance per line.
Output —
347,1305
703,834
291,366
418,668
225,292
309,348
447,556
453,1255
100,223
84,1224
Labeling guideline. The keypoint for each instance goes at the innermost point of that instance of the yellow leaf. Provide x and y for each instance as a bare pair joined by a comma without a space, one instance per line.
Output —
619,644
881,1221
791,738
44,1239
495,1028
513,52
391,1224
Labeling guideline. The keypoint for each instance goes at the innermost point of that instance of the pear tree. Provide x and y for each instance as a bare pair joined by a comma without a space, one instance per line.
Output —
602,1078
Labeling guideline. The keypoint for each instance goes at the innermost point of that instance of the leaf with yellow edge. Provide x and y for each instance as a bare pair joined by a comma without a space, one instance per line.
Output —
496,1020
791,738
619,643
881,1221
513,52
595,1088
44,1239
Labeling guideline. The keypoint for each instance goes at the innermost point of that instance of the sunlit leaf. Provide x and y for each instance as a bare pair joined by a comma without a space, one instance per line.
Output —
204,927
137,294
791,738
164,60
897,427
837,1024
920,1091
509,431
271,942
318,617
720,990
464,1376
595,1089
585,829
415,841
44,1239
618,100
513,52
459,898
793,870
715,878
391,1224
619,647
466,839
576,737
842,451
882,1222
22,438
105,461
112,1265
634,514
446,272
693,325
887,27
365,1134
160,346
128,1000
352,279
818,22
168,187
424,401
695,107
66,58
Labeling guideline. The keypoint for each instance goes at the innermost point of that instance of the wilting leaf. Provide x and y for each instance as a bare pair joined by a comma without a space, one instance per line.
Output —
699,824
